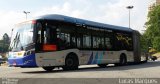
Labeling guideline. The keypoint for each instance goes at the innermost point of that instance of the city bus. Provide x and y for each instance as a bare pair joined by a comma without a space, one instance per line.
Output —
51,41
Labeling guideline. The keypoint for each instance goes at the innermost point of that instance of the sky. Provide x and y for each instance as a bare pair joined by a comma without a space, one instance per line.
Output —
112,12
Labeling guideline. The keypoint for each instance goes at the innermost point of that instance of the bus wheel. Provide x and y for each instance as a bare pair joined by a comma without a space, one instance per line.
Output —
71,63
123,60
48,68
102,65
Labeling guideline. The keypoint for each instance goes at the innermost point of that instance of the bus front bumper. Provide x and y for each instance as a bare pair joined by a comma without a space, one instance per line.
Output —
26,61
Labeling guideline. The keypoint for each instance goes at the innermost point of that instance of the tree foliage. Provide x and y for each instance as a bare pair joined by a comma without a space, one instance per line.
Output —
4,43
153,27
156,43
144,43
6,38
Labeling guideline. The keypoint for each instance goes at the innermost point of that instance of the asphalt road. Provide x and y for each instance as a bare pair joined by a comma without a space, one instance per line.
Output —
88,74
145,70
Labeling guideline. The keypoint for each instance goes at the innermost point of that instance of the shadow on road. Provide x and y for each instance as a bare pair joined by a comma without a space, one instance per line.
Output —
108,68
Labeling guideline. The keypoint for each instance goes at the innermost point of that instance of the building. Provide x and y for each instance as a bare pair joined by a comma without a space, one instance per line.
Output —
157,1
153,4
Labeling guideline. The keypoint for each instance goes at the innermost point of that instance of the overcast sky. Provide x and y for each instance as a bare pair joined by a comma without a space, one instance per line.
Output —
105,11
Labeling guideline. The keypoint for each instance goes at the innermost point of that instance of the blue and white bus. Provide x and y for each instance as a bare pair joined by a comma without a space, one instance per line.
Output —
53,41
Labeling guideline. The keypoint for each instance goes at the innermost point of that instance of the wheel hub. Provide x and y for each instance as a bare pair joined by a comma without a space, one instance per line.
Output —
69,62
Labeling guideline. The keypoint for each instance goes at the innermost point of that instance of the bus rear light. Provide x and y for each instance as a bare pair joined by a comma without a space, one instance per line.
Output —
49,47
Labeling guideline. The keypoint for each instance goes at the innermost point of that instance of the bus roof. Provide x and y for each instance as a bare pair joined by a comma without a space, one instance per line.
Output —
83,22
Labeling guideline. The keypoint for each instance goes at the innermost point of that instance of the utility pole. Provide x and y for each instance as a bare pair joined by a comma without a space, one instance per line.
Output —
25,12
129,8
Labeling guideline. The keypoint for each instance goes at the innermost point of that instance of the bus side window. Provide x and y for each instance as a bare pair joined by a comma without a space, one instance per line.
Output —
108,43
73,42
49,35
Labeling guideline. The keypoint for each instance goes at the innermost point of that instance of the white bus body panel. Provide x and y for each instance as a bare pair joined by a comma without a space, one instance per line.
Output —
85,57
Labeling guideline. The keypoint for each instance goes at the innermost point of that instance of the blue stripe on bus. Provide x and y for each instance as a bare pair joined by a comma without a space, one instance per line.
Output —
90,59
95,59
26,61
100,58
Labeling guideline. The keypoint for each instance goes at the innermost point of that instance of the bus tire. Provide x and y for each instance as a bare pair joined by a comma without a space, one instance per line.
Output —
122,60
71,62
102,65
50,68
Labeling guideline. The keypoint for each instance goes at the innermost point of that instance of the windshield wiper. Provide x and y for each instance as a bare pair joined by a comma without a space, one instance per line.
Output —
16,42
13,43
19,41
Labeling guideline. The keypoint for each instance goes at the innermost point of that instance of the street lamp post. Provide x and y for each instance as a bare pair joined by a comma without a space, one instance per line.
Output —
129,8
26,13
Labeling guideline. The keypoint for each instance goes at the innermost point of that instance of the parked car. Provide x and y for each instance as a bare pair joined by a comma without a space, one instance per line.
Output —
1,60
153,58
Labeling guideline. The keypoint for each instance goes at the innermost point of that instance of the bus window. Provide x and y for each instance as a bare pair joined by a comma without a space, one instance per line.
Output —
79,40
86,41
50,34
108,43
96,42
73,41
101,43
124,41
63,39
39,36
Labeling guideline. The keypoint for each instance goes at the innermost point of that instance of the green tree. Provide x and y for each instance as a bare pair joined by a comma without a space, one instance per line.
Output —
156,43
144,43
153,27
6,38
4,43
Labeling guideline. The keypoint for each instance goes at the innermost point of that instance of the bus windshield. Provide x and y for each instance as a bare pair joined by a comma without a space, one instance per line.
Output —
22,37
